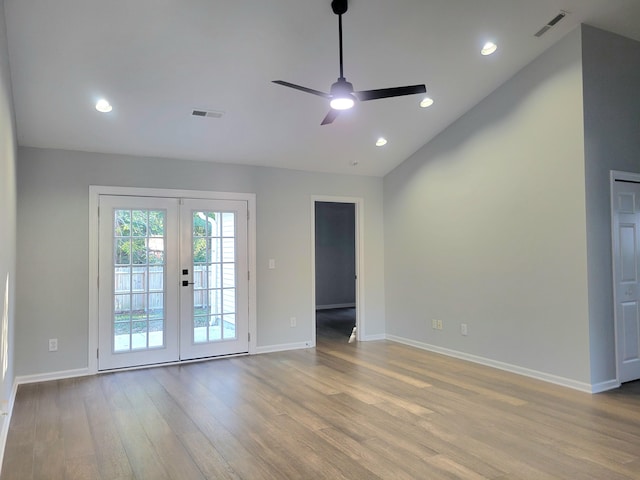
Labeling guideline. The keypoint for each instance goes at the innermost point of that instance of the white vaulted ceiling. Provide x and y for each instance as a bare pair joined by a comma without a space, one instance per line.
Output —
157,60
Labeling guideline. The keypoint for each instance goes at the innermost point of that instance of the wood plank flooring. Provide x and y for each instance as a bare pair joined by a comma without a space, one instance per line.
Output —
375,410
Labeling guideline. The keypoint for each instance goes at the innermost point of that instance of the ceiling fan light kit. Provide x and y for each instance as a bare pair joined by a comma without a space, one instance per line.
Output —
342,95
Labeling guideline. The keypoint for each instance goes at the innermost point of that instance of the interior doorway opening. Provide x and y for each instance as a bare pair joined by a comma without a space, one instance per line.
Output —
335,266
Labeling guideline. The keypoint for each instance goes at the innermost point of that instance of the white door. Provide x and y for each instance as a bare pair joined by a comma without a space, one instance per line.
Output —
148,248
214,280
626,253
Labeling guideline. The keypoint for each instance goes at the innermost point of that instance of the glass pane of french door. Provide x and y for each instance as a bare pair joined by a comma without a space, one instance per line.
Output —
214,307
138,296
139,270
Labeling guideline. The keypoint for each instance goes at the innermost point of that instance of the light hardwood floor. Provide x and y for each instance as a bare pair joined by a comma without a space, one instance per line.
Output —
355,411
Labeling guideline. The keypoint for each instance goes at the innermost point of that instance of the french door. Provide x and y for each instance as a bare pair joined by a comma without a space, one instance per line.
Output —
173,280
214,286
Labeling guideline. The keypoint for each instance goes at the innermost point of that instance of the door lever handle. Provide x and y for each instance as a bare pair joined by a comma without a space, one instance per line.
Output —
186,283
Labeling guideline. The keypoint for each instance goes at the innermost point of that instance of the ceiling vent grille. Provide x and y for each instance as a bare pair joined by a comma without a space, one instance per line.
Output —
551,23
207,113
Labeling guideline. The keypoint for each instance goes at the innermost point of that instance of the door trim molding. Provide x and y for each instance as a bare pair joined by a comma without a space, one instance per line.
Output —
616,175
94,194
359,224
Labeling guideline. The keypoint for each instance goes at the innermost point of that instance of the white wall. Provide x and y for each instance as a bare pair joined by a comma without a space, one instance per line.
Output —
485,225
7,230
52,289
611,67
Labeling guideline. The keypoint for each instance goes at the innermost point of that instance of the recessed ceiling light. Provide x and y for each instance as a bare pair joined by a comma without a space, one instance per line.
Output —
426,102
381,142
488,48
103,106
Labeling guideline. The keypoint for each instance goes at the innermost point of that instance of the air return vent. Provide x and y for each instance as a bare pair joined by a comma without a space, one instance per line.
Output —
551,23
207,113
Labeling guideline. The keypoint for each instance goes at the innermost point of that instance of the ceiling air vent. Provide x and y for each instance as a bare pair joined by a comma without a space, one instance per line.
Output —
207,113
551,23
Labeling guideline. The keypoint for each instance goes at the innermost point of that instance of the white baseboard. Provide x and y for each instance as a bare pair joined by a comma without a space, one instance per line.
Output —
335,305
605,386
45,377
546,377
284,347
373,338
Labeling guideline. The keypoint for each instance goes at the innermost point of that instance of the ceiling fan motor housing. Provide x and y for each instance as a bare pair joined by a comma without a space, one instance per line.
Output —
341,88
339,6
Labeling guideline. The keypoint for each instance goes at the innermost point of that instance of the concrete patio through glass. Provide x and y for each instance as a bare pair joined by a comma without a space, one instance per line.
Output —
138,341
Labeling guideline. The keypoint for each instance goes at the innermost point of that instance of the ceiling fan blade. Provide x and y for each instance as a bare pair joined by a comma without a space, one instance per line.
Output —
389,92
301,88
331,116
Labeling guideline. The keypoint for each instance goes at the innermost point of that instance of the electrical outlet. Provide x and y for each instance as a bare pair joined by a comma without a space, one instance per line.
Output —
439,324
463,329
53,344
293,322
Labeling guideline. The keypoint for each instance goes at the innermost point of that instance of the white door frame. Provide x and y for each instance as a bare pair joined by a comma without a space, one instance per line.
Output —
359,224
94,194
632,177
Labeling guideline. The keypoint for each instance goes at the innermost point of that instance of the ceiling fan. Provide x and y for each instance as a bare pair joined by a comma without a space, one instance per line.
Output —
342,96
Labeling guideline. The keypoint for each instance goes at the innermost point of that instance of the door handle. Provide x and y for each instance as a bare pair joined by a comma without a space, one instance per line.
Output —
186,283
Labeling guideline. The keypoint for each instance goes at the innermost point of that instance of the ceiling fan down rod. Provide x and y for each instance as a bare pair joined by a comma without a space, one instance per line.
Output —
340,42
340,7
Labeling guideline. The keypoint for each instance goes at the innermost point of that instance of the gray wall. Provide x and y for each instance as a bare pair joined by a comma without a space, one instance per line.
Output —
52,289
335,254
7,227
611,67
485,225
